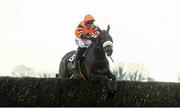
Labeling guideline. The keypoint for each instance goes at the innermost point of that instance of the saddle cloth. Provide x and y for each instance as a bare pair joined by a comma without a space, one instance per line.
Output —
72,58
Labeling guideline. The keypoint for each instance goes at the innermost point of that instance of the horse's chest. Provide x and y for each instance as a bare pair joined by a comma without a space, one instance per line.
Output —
101,71
100,68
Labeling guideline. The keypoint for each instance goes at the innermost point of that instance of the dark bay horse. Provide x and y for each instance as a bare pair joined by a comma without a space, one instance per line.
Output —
94,66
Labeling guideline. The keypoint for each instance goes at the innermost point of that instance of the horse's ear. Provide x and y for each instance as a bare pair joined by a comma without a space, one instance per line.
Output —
108,28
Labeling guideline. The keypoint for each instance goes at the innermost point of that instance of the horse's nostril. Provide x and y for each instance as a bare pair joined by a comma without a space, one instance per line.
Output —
109,52
105,49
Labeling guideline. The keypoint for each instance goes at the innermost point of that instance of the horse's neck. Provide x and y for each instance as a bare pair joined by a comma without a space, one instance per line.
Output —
99,54
96,54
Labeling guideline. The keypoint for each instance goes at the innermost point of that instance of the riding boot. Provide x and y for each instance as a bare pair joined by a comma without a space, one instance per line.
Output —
79,53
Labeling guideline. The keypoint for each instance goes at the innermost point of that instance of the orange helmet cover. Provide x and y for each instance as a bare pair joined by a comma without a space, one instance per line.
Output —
88,18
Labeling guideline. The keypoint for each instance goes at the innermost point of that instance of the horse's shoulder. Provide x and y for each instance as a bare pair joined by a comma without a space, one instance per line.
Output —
88,50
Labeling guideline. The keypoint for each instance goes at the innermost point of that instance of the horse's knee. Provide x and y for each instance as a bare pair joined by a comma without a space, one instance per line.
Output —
99,78
113,77
105,78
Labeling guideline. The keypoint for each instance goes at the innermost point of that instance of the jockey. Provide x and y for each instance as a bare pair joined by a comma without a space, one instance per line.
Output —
85,32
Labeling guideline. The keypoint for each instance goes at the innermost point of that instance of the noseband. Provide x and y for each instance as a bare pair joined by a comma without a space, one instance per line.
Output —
107,43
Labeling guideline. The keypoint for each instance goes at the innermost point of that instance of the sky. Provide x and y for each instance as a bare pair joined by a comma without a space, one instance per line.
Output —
38,33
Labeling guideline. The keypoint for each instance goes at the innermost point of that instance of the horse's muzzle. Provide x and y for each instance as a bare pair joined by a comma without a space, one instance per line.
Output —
108,50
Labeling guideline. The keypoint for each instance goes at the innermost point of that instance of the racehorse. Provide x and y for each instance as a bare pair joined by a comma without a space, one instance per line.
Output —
94,65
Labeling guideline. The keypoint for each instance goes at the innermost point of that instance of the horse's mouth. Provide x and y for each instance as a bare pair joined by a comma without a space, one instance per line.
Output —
108,50
109,53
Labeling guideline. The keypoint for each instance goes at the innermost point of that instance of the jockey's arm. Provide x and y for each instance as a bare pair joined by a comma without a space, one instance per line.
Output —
84,36
96,31
79,31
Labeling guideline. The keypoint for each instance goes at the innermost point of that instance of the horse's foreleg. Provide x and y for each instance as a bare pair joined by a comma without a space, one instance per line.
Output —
103,78
114,82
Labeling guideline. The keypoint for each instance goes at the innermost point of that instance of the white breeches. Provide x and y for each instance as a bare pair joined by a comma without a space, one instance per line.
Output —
82,43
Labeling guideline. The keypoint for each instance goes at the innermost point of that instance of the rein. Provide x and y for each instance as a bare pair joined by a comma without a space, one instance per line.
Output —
96,46
81,72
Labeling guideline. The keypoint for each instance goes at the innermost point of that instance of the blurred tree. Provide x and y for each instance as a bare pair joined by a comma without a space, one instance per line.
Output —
150,79
119,73
46,74
132,72
136,76
136,72
22,71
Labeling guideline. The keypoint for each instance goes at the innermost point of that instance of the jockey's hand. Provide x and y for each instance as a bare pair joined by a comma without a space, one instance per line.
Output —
93,37
97,33
84,36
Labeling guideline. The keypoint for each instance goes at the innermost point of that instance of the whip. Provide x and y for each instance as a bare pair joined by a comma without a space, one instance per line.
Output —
111,59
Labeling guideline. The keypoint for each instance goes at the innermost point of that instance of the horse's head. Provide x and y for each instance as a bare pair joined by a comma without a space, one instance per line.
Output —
105,41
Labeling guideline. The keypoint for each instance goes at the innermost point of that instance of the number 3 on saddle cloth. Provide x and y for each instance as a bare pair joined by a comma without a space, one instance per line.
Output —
72,58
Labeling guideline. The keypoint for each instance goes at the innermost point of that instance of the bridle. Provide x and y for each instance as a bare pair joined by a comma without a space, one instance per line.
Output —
100,48
104,45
